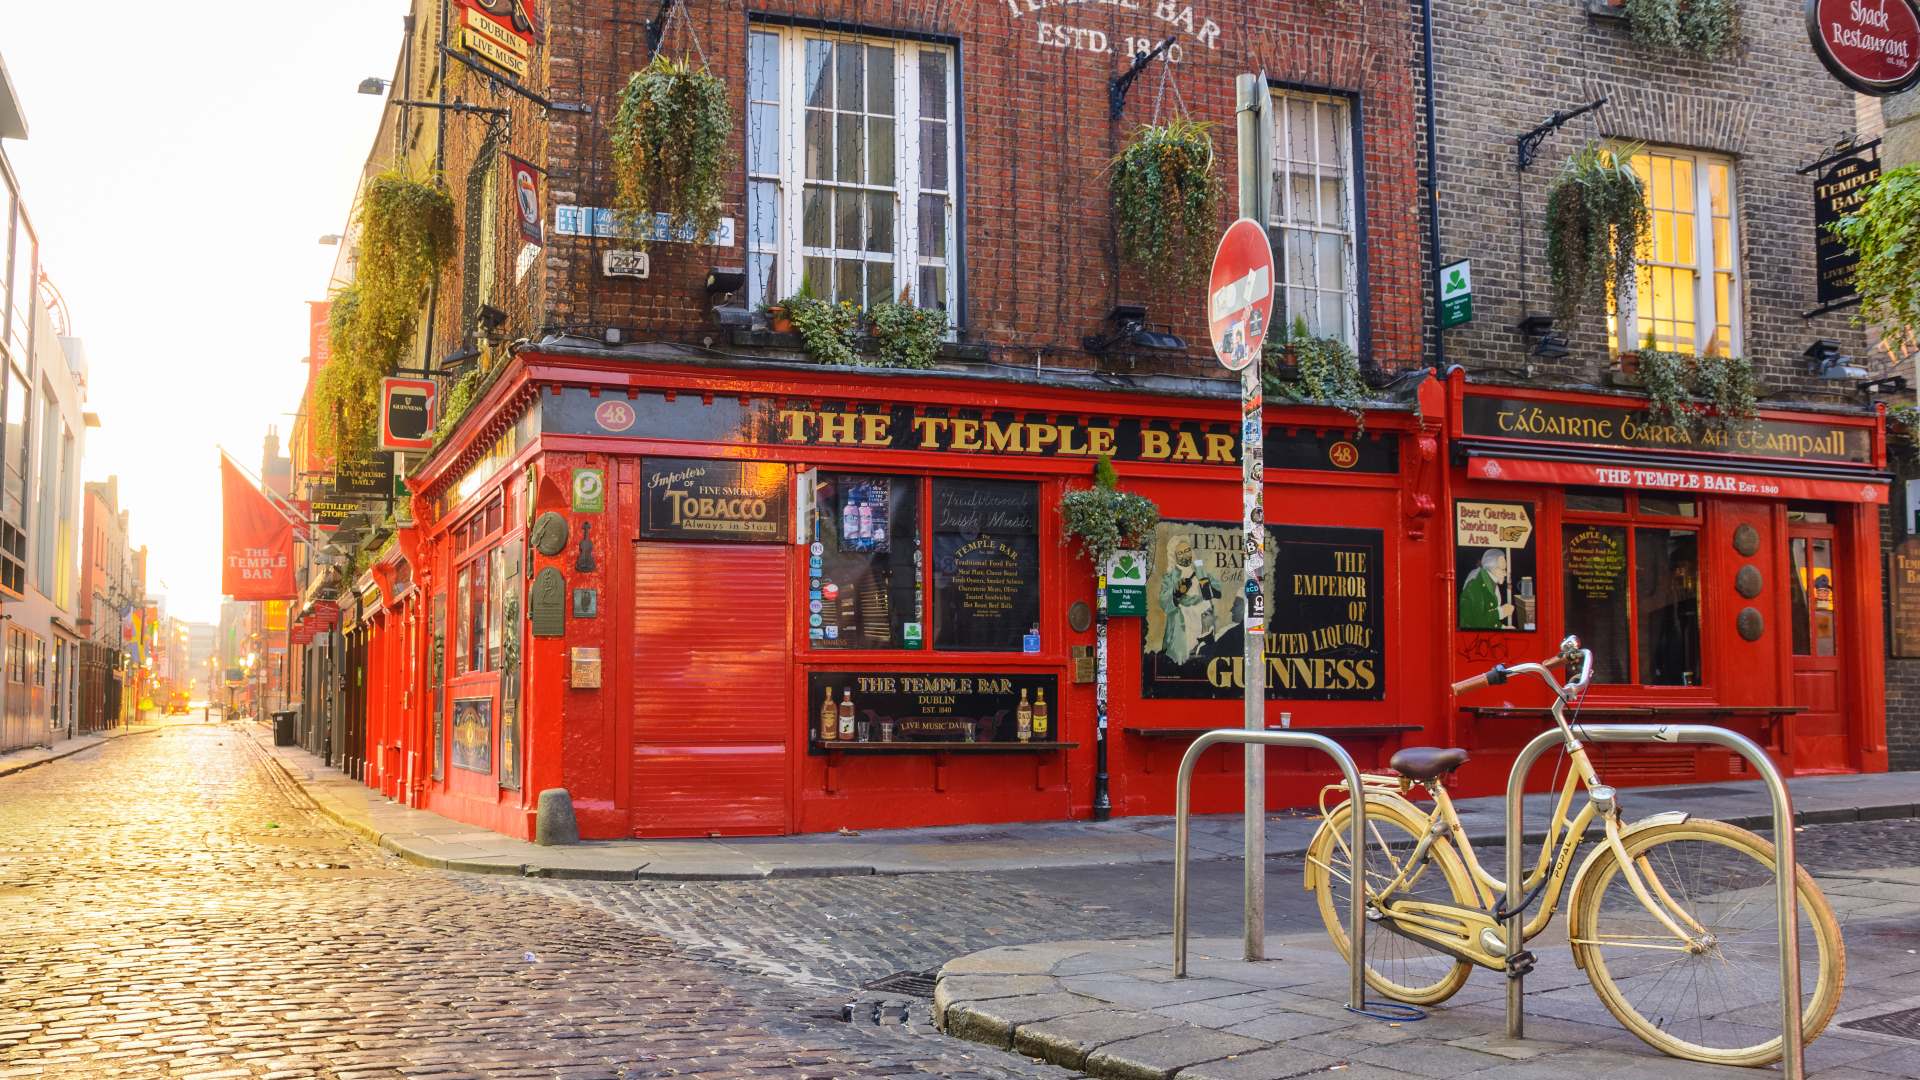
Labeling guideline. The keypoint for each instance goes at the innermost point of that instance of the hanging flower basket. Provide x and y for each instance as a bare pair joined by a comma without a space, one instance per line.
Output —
1166,197
1104,519
672,148
1596,219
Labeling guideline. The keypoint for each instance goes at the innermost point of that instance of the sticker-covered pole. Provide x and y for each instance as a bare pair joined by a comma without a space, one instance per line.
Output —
1255,134
1102,801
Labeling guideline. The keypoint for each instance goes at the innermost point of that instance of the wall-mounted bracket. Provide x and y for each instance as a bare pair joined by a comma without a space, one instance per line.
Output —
657,26
1530,141
1117,86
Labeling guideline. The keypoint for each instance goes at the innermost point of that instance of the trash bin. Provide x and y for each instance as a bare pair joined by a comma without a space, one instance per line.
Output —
283,729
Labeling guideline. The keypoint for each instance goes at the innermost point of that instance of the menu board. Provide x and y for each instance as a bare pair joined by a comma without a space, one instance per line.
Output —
1596,595
1325,634
849,708
986,563
1903,586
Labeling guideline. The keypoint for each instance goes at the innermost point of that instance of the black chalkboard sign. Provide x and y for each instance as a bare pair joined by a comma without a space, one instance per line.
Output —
1837,192
986,563
1595,557
931,706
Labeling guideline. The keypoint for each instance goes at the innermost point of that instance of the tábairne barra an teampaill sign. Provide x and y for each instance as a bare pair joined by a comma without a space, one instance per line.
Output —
848,708
1325,632
682,499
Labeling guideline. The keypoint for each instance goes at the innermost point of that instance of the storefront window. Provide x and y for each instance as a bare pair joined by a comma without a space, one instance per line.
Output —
986,564
464,602
864,590
1813,596
476,578
496,589
1649,634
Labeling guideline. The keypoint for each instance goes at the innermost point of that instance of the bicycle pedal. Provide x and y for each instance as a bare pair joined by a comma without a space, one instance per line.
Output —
1520,964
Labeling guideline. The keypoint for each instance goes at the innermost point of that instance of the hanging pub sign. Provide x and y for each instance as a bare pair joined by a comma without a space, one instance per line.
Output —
1841,187
523,181
1325,636
368,476
328,508
848,709
1903,597
682,499
407,413
1870,45
498,31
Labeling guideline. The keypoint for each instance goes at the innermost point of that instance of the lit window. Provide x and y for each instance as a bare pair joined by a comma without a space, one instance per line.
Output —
1687,299
851,170
1312,221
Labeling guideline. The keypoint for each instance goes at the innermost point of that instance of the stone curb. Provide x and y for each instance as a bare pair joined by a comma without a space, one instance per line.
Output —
104,737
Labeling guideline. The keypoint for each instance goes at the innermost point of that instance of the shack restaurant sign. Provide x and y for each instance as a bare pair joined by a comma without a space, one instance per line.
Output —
1871,45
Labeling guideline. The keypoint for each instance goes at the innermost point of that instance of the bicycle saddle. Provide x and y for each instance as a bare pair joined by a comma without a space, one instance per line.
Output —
1426,762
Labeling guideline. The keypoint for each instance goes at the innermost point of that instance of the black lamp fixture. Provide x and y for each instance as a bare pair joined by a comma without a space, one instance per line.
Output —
1130,330
723,285
330,239
374,85
378,86
1547,345
1825,360
489,320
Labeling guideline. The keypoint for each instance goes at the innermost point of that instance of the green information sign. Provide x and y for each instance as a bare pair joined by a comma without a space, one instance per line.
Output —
1456,294
1127,583
589,491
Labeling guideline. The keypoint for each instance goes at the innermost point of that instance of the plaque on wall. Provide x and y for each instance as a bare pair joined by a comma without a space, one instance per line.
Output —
547,605
1903,597
682,499
931,706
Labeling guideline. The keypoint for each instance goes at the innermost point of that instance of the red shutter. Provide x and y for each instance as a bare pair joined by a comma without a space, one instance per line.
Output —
711,719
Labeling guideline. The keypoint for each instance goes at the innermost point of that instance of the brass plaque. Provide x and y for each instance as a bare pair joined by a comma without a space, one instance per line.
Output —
1083,664
550,534
584,670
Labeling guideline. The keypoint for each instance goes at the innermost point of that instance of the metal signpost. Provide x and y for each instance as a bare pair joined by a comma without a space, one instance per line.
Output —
1239,311
1793,1049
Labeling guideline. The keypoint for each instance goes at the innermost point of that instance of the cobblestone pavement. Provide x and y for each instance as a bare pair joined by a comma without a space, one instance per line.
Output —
168,907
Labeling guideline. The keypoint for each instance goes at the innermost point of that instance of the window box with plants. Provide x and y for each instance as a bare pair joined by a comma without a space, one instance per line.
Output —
1300,366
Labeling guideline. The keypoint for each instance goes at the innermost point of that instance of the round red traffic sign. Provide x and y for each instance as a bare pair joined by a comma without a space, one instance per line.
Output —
1871,45
1240,294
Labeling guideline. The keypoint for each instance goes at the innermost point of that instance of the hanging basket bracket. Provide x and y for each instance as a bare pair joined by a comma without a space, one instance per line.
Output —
1118,86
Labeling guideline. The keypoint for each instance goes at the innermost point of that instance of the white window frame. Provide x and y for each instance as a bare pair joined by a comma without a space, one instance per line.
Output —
1707,315
785,240
1279,222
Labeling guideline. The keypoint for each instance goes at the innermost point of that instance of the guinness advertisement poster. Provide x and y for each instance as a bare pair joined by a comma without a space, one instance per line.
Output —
681,499
850,708
986,563
1325,632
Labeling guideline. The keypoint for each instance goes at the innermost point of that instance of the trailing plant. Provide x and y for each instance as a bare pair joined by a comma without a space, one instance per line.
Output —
1314,371
1708,29
826,327
1698,393
1166,198
907,336
407,235
1903,430
1105,519
1885,233
1596,220
672,139
459,398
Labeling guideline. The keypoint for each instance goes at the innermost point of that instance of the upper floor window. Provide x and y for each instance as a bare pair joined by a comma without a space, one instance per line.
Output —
852,177
1687,297
1312,222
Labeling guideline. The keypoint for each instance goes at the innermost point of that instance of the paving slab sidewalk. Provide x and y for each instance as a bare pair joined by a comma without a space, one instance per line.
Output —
431,840
34,756
1112,1009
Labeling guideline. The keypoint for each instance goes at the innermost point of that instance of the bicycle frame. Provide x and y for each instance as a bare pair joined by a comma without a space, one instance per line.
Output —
1477,934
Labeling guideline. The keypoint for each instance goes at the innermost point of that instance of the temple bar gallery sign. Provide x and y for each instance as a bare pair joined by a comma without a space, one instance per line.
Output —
1631,429
686,417
1870,45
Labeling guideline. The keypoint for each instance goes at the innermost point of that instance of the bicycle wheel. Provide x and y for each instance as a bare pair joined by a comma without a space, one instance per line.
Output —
1398,967
1718,1001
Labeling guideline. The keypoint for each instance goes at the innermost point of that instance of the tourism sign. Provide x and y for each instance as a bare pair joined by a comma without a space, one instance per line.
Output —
1871,45
407,413
1456,294
1240,293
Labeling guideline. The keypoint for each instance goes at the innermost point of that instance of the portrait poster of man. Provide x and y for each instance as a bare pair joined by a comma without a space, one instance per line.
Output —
1494,565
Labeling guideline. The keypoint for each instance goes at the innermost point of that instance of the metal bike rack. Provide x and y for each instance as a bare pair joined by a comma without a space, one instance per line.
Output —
1793,1050
1357,831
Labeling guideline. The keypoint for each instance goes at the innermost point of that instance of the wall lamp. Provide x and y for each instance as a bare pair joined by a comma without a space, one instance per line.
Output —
374,86
1825,359
330,239
1547,344
723,285
377,87
1129,330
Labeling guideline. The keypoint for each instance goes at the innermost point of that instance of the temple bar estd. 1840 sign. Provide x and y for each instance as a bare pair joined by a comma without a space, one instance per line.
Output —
848,708
682,499
1325,636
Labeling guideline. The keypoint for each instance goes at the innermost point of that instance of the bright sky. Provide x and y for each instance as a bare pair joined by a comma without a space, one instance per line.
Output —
180,168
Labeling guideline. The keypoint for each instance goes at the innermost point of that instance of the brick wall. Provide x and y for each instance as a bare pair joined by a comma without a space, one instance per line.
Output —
1503,68
1040,266
1903,675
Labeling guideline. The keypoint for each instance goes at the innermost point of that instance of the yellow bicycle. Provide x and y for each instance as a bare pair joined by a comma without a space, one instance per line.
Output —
1673,919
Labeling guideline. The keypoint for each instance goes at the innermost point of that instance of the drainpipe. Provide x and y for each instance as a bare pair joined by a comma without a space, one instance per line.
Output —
1433,186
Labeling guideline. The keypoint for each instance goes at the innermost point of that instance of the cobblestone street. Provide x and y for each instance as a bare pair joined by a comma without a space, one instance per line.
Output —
168,907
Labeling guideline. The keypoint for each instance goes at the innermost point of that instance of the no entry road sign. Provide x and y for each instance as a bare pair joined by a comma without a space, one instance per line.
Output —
1240,294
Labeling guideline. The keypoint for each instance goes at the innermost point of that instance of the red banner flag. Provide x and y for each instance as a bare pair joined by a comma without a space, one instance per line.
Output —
258,562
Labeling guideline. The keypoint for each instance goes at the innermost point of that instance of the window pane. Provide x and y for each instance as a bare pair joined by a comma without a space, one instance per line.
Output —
1333,317
1594,558
763,215
763,139
850,149
496,606
463,620
819,77
846,220
1666,506
1717,190
880,152
763,66
880,80
1605,502
1802,601
1330,132
986,563
1330,261
933,288
879,283
817,274
1821,587
819,144
933,85
849,283
933,155
763,282
1333,204
1682,184
933,226
848,77
1299,142
879,221
1666,572
866,594
816,207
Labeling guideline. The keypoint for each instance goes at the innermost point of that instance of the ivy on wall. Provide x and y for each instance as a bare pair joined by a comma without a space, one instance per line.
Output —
1708,29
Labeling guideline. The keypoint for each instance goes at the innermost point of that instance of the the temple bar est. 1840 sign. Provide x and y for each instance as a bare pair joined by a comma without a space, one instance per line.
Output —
683,499
1871,45
1839,190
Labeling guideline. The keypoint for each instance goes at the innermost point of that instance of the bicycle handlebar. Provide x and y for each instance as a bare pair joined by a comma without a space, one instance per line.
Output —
1569,650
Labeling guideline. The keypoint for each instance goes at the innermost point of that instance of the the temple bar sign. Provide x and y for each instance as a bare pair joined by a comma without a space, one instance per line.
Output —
1632,429
1114,27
